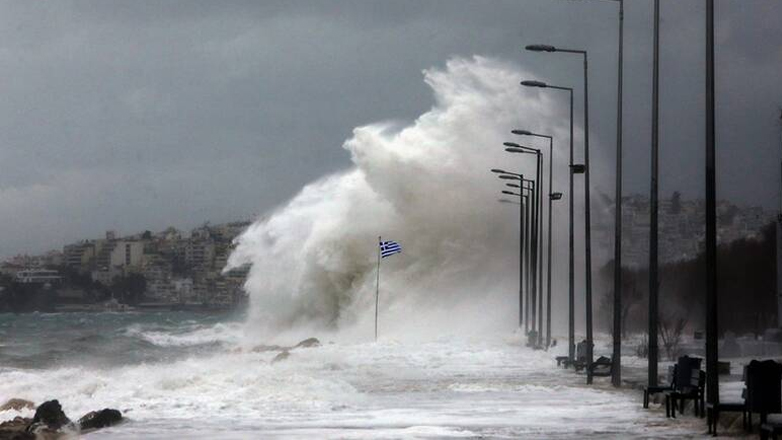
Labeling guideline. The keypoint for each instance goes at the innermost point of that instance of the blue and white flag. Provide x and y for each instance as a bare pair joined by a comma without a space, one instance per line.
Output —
388,248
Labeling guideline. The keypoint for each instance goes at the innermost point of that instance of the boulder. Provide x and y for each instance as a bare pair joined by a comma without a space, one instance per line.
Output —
309,342
51,415
100,419
16,429
17,405
265,348
281,356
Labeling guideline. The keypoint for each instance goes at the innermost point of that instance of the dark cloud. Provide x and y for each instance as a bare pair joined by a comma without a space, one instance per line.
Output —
135,115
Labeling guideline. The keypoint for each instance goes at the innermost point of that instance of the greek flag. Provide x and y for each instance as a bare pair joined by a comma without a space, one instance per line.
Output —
388,248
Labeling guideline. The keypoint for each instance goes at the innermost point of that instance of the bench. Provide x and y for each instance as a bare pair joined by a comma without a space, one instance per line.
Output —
713,414
649,390
579,363
769,430
694,392
602,367
762,394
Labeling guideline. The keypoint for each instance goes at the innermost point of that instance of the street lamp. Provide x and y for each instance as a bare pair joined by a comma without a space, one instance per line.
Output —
587,210
571,223
712,381
616,369
506,175
537,287
532,251
550,200
653,206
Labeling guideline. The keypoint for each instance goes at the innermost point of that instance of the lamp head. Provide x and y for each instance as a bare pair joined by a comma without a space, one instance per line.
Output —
541,48
534,84
578,168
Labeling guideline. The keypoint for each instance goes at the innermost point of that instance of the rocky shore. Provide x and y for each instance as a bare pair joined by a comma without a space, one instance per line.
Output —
50,422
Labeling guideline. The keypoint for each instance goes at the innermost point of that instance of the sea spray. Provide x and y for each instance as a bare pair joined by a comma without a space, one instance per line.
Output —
426,185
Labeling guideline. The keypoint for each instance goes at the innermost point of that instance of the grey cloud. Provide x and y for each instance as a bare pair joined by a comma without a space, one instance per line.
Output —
136,115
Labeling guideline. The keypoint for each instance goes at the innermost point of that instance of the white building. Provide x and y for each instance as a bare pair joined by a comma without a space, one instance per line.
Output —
38,276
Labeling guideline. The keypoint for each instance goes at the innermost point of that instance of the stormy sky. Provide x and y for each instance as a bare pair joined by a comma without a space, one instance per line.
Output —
134,115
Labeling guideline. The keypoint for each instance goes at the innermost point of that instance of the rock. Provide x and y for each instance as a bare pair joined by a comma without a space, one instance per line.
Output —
51,415
309,342
281,356
16,429
265,348
17,405
100,419
43,432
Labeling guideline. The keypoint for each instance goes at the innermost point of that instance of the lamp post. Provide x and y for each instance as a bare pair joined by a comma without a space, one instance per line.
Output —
616,369
522,228
532,256
616,357
571,234
712,380
653,202
516,148
587,210
531,241
526,261
548,247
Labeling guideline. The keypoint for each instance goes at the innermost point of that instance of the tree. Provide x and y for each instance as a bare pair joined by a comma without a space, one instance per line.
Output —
671,329
746,279
129,289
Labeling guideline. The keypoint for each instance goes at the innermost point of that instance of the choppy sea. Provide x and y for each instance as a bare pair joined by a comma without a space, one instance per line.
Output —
188,375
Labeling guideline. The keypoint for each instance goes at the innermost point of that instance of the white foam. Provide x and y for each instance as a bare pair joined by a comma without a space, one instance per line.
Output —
426,185
189,335
450,387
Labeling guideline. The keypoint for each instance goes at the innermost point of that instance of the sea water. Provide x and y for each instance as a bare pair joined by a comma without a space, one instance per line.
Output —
188,375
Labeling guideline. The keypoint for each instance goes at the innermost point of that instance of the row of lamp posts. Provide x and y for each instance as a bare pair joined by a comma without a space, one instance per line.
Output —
574,169
531,243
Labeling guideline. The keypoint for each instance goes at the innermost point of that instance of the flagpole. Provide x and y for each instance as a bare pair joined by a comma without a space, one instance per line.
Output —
377,289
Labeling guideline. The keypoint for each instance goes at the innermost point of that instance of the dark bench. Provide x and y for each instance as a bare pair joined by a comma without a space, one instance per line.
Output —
770,430
579,363
649,390
602,367
713,414
694,391
763,392
762,395
688,384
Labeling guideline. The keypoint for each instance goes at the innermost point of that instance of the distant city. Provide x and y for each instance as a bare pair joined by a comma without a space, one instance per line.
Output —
681,228
167,269
174,269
